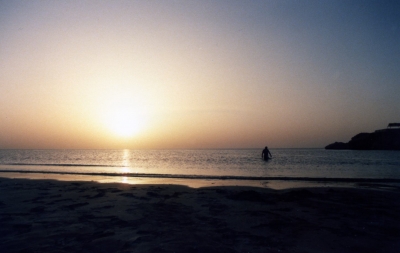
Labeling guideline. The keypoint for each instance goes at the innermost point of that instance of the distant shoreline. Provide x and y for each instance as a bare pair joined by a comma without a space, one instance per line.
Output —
383,139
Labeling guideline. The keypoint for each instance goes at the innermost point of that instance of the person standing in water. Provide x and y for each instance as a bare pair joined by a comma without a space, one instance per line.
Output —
266,154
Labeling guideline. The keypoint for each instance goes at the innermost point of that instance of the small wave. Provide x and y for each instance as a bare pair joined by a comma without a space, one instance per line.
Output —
61,164
212,177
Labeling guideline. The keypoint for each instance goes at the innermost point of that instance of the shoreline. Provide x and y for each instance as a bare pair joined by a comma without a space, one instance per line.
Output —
204,181
45,215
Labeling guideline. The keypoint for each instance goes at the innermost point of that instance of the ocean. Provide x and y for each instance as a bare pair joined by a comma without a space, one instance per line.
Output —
246,164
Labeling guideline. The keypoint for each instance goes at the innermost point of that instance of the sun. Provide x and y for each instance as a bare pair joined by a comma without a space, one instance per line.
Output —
126,123
125,111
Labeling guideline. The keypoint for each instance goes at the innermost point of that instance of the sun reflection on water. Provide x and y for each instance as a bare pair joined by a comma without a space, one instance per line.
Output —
126,158
125,170
126,163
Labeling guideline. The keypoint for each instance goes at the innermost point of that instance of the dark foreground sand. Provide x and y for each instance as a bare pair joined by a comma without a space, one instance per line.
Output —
56,216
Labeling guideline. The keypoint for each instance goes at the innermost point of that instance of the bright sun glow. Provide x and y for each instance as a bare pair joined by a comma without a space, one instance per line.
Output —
125,123
124,108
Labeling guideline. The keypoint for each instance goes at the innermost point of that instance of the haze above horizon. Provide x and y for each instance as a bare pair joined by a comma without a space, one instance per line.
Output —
196,74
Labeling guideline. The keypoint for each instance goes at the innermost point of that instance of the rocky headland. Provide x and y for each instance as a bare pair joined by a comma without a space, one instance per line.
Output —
384,139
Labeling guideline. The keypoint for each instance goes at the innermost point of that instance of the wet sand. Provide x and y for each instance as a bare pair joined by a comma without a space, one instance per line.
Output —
63,216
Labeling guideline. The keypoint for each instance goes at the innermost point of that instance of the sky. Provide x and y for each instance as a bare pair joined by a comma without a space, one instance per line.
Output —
196,74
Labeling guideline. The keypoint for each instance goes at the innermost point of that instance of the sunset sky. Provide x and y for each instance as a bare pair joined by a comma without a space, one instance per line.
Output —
196,74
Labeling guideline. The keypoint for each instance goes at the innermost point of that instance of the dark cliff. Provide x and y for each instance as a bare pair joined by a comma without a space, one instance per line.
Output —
385,139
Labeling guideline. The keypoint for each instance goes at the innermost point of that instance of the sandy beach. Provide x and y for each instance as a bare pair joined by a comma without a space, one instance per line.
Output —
63,216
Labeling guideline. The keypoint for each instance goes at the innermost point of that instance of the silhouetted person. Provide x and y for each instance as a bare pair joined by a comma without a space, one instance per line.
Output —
266,154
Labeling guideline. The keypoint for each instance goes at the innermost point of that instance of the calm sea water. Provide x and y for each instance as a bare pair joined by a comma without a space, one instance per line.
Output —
240,163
